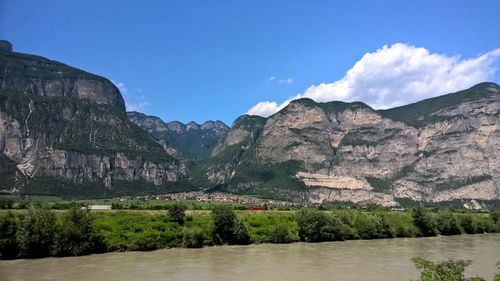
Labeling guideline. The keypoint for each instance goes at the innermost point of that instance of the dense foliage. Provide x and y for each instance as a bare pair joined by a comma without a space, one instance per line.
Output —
177,212
227,227
39,231
447,270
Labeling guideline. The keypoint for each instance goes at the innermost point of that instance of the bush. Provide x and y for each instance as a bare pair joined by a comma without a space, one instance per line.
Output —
223,224
310,223
6,203
424,221
240,233
75,235
447,223
373,227
316,226
450,270
192,237
281,234
36,235
469,224
177,212
147,241
8,243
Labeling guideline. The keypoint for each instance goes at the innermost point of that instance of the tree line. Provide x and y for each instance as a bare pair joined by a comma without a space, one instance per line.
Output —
38,232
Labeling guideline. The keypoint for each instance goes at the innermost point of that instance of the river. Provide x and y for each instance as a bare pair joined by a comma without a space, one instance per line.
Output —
386,259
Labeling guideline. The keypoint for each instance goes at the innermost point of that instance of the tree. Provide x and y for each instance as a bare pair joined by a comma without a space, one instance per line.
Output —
192,237
227,228
310,223
281,233
424,221
76,235
447,223
448,270
36,235
177,213
9,248
469,224
316,226
240,233
223,223
6,203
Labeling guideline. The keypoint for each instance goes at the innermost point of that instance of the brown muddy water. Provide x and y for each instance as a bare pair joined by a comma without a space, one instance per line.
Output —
387,259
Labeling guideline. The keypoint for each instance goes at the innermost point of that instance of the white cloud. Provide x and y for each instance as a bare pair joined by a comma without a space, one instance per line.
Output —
121,87
135,101
286,81
396,75
139,106
280,80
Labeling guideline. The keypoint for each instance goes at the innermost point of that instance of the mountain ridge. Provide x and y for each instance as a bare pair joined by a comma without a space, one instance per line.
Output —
65,132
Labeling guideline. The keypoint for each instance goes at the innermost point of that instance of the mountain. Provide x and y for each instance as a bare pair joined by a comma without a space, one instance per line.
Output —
185,141
441,149
65,132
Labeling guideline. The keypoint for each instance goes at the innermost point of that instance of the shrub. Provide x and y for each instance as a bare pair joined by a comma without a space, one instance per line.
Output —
192,237
227,228
373,227
469,224
177,212
447,223
310,223
316,226
450,270
6,203
223,223
8,244
75,235
281,234
240,233
36,235
147,240
424,221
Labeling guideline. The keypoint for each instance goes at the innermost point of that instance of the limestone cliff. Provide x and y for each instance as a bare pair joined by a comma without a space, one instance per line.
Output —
63,130
441,149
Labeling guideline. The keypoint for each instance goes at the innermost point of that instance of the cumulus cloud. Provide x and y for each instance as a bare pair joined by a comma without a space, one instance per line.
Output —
397,75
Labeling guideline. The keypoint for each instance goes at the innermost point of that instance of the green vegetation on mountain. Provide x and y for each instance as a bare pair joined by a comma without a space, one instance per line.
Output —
191,141
32,66
80,125
327,107
7,172
426,111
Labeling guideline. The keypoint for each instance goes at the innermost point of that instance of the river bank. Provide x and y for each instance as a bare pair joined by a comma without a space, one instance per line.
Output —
126,230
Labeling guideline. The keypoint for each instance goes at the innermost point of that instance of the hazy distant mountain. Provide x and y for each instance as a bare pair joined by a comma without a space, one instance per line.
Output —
185,141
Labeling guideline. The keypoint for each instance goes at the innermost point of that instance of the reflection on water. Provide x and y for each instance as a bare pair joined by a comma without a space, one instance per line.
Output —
388,259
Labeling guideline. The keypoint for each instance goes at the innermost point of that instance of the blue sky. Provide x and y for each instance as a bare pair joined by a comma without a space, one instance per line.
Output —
200,60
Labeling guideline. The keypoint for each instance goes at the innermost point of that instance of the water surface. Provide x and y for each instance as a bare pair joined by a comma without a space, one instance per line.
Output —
387,259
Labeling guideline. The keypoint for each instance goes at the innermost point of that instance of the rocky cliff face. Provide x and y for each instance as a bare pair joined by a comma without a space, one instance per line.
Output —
185,141
441,149
60,126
